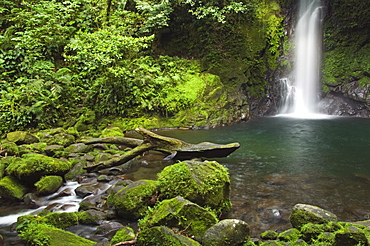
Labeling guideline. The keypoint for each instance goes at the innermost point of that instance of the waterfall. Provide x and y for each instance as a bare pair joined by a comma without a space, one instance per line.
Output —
302,99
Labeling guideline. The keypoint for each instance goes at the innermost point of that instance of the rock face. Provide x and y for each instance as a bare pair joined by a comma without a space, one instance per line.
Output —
303,214
227,232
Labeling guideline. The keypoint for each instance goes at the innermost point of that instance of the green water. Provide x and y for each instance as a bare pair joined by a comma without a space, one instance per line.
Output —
284,161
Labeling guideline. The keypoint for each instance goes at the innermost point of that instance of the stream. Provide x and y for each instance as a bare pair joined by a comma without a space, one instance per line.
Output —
282,161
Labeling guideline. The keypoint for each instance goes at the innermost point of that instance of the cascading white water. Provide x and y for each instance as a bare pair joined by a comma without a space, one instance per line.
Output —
302,99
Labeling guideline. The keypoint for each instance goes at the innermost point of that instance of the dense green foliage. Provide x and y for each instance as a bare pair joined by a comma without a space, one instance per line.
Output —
347,47
60,58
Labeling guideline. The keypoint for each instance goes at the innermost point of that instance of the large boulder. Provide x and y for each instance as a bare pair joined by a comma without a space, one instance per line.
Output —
48,184
180,213
31,167
204,183
303,214
227,232
161,235
21,137
133,200
11,188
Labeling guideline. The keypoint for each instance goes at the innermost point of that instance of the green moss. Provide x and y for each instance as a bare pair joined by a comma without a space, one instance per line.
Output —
123,235
112,132
10,148
180,213
11,188
48,184
31,167
61,220
42,235
133,200
163,236
21,137
84,121
205,183
269,235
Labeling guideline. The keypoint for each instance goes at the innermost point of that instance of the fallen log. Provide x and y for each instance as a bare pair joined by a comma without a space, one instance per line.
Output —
177,149
129,142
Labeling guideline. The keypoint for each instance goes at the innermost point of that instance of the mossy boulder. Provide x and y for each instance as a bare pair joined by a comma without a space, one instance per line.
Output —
48,184
182,214
31,167
9,148
112,132
227,232
290,235
75,171
204,183
123,235
133,200
43,234
349,236
11,188
303,214
163,236
22,137
269,235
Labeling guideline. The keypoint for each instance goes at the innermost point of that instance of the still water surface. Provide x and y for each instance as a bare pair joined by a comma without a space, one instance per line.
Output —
283,161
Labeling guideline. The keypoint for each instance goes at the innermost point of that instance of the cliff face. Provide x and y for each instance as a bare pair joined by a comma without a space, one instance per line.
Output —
346,61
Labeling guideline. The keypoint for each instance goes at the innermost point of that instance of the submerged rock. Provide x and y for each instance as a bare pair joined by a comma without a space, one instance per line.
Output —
227,232
303,214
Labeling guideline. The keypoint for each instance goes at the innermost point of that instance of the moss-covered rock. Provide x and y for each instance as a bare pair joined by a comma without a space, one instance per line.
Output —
22,137
123,235
351,236
31,167
112,132
91,217
9,148
303,214
84,121
11,188
204,183
163,236
182,214
61,220
133,200
269,235
290,235
76,170
43,234
227,232
48,184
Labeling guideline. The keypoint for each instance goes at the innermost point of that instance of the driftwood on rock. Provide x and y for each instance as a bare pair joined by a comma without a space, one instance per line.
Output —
176,148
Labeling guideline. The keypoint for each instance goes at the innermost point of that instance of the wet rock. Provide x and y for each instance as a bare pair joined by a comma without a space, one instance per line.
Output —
303,214
227,232
161,235
32,200
90,189
54,150
75,171
108,228
91,217
351,236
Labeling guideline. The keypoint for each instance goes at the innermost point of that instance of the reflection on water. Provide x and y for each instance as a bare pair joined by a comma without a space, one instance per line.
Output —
284,161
